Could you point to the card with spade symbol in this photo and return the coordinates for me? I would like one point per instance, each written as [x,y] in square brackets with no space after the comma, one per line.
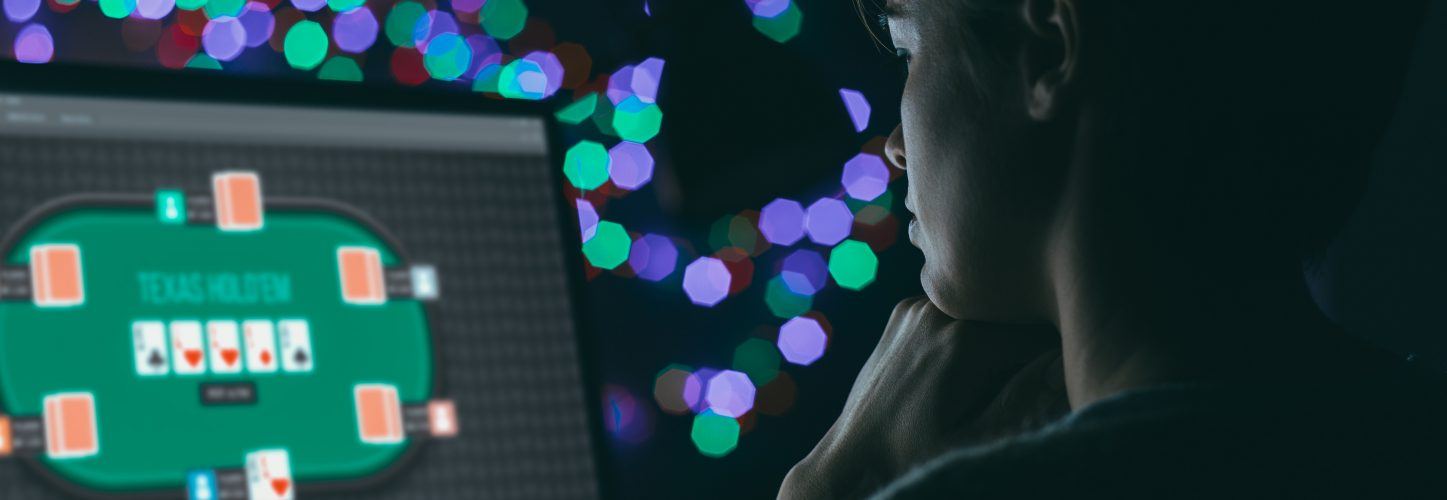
[188,354]
[296,345]
[224,341]
[149,341]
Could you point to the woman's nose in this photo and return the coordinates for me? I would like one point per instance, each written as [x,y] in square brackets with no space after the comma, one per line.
[894,147]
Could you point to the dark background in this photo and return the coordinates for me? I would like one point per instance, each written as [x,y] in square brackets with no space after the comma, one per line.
[748,119]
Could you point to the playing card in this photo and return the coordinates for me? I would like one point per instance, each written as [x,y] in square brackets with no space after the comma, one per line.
[148,338]
[55,274]
[379,413]
[260,345]
[70,426]
[268,475]
[362,276]
[225,346]
[296,345]
[238,201]
[188,353]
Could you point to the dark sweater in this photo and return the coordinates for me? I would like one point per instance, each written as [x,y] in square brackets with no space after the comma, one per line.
[1378,433]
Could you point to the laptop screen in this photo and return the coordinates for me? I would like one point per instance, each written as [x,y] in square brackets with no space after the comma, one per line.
[229,300]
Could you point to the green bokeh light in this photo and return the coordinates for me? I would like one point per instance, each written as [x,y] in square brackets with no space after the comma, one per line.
[586,165]
[305,45]
[783,302]
[345,5]
[504,19]
[715,435]
[401,23]
[759,359]
[203,61]
[190,4]
[224,8]
[448,55]
[783,27]
[637,121]
[609,246]
[117,9]
[579,110]
[853,265]
[340,69]
[487,78]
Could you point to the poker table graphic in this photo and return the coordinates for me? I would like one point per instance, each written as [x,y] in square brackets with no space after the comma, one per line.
[169,259]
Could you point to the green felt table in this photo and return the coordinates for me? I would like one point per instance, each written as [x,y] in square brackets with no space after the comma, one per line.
[152,430]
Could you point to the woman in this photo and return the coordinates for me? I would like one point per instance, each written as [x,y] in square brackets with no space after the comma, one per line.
[1115,200]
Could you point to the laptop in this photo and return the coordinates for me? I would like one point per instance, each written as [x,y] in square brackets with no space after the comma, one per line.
[229,287]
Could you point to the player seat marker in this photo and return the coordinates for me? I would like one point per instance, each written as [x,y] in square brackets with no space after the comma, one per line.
[238,200]
[362,275]
[55,273]
[70,427]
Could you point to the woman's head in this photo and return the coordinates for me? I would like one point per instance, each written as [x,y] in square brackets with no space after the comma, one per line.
[1226,134]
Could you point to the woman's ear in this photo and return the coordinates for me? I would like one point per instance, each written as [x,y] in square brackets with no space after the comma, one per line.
[1051,55]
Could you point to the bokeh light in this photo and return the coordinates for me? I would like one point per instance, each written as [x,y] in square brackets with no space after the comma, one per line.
[783,302]
[853,264]
[579,110]
[694,389]
[768,8]
[865,177]
[216,9]
[355,31]
[630,165]
[609,245]
[828,221]
[714,435]
[259,23]
[623,417]
[587,219]
[402,22]
[741,268]
[34,45]
[783,27]
[447,56]
[802,340]
[522,79]
[504,19]
[340,69]
[343,6]
[309,5]
[224,38]
[585,165]
[804,272]
[306,45]
[636,120]
[759,359]
[117,9]
[653,257]
[155,9]
[782,222]
[430,26]
[857,107]
[706,281]
[777,397]
[730,393]
[19,11]
[668,389]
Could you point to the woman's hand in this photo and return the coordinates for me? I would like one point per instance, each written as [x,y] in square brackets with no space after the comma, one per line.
[932,384]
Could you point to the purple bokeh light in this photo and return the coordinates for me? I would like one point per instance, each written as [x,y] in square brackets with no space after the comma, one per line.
[653,257]
[706,281]
[730,394]
[552,70]
[802,340]
[865,177]
[587,219]
[34,45]
[782,222]
[429,26]
[630,165]
[695,387]
[645,79]
[19,11]
[828,221]
[805,272]
[768,8]
[857,106]
[259,23]
[467,6]
[154,9]
[308,5]
[355,30]
[485,51]
[224,38]
[620,84]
